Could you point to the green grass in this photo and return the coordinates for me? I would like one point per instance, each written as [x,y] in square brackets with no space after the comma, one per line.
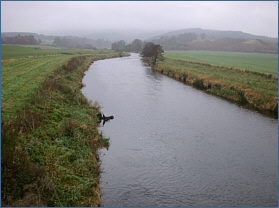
[15,51]
[263,63]
[21,77]
[49,135]
[258,90]
[43,47]
[27,51]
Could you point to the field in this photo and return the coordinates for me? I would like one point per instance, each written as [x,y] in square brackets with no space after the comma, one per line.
[263,63]
[14,51]
[29,51]
[23,69]
[49,135]
[21,77]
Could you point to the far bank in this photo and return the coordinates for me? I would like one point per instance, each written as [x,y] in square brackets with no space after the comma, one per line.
[251,89]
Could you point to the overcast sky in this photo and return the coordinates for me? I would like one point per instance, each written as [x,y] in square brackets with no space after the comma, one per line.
[46,17]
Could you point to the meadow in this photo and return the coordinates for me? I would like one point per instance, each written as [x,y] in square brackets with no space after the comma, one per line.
[21,77]
[23,69]
[49,134]
[29,51]
[15,51]
[263,63]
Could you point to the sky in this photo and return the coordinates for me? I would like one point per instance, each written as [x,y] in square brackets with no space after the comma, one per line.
[53,17]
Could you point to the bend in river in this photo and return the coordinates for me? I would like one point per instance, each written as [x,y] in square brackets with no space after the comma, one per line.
[173,145]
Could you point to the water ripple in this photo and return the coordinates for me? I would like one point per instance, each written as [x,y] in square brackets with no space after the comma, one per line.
[172,145]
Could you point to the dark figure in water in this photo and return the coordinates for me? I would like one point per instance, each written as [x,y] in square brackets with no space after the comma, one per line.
[104,118]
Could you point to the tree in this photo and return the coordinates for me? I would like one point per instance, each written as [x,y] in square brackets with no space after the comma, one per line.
[89,46]
[119,47]
[152,51]
[137,45]
[129,48]
[203,36]
[24,40]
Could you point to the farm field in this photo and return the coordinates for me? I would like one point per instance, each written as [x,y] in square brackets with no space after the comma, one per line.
[17,51]
[263,63]
[43,47]
[21,77]
[49,135]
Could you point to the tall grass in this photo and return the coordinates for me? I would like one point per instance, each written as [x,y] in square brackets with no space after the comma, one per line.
[255,89]
[50,141]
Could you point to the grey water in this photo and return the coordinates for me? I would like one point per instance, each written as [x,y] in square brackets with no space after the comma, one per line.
[174,146]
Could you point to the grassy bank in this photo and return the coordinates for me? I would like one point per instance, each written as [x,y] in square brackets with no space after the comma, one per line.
[49,135]
[256,90]
[262,63]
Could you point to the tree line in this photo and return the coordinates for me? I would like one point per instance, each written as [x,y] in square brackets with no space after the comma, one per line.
[73,42]
[120,46]
[23,40]
[148,50]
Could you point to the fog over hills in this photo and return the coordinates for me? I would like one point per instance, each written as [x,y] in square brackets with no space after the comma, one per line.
[126,35]
[185,39]
[110,35]
[130,35]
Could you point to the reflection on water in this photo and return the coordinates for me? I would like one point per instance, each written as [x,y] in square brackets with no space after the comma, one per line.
[172,145]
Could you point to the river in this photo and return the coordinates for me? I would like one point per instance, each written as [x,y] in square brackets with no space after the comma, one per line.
[175,146]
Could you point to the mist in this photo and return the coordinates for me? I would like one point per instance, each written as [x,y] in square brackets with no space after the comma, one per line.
[86,17]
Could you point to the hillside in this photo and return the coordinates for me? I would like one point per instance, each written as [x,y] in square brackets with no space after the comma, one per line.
[215,34]
[213,40]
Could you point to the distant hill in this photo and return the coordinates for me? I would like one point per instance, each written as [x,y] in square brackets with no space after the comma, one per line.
[127,35]
[216,34]
[186,39]
[215,40]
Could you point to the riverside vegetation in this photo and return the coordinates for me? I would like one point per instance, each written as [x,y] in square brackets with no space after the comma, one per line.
[254,88]
[49,135]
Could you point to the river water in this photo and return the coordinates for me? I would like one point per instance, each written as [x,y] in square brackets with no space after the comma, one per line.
[175,146]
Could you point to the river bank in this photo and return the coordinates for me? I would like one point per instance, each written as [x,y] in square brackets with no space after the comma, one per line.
[254,90]
[50,143]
